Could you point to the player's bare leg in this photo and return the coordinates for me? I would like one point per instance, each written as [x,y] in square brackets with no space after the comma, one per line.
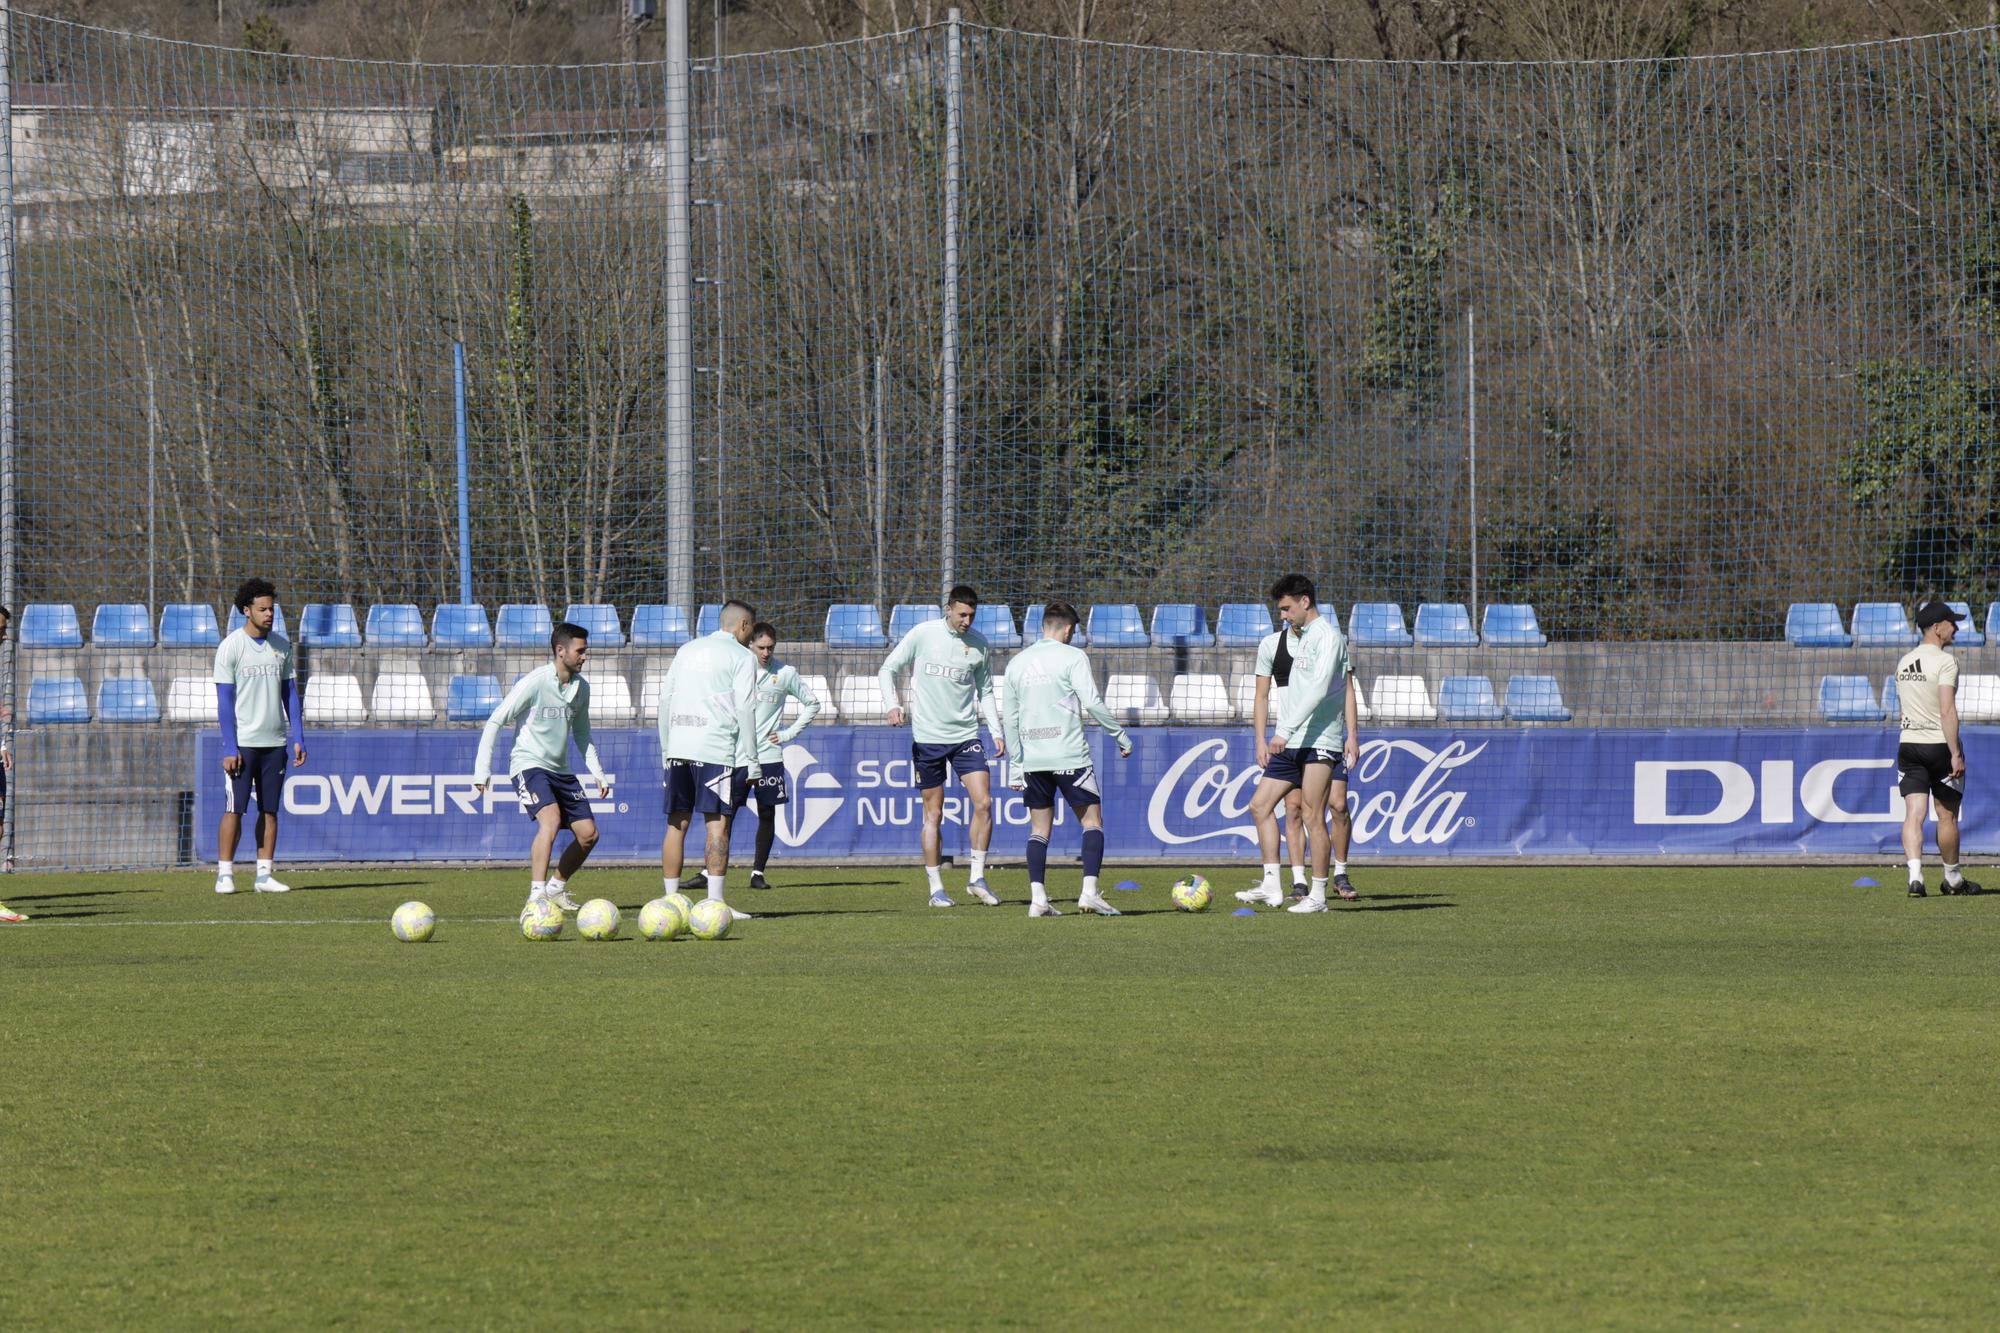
[979,790]
[1340,824]
[932,837]
[583,837]
[1947,836]
[1264,803]
[1296,841]
[548,823]
[715,859]
[1312,800]
[673,850]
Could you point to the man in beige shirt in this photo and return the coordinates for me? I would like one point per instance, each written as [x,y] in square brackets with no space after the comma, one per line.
[1930,762]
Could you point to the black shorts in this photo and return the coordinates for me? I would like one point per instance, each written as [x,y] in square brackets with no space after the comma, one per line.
[1077,785]
[965,757]
[537,787]
[706,789]
[1290,765]
[263,769]
[1924,769]
[768,792]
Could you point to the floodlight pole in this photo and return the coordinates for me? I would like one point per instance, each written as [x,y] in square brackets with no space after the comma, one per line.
[953,87]
[9,530]
[1472,452]
[679,303]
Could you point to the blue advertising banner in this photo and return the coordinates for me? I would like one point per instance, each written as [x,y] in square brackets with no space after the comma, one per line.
[386,795]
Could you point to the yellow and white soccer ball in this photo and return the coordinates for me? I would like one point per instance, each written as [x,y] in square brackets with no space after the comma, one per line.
[544,922]
[1192,894]
[598,919]
[710,919]
[664,918]
[682,901]
[413,923]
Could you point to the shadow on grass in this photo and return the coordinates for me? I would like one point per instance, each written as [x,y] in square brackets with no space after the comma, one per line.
[78,893]
[78,915]
[1366,906]
[362,884]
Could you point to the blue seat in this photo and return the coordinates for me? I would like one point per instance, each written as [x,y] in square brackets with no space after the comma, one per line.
[189,625]
[1242,624]
[127,699]
[1445,625]
[50,625]
[1993,621]
[1181,625]
[995,623]
[329,625]
[277,621]
[57,699]
[1815,625]
[395,625]
[1883,625]
[1892,702]
[1031,627]
[1468,699]
[657,626]
[1968,631]
[1116,625]
[600,620]
[1377,625]
[906,616]
[1511,625]
[708,620]
[1536,699]
[461,625]
[854,625]
[523,626]
[1848,699]
[121,625]
[472,698]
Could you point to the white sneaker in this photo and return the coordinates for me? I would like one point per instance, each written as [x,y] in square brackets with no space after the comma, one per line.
[977,888]
[938,899]
[1094,902]
[1308,905]
[1043,909]
[735,915]
[562,899]
[225,884]
[1260,894]
[269,884]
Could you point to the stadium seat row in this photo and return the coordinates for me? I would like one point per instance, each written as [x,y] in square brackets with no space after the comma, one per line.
[1852,699]
[1876,625]
[404,694]
[848,625]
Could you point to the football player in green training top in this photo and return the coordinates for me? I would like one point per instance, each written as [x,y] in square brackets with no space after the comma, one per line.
[777,682]
[708,741]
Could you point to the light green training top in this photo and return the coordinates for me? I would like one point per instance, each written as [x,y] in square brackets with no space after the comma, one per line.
[1049,689]
[773,688]
[1313,714]
[256,667]
[548,714]
[951,683]
[708,704]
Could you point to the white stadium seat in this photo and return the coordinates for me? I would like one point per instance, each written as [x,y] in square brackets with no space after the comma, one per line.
[1403,699]
[1135,698]
[859,699]
[332,698]
[1978,698]
[1200,698]
[610,698]
[820,691]
[191,699]
[402,693]
[649,688]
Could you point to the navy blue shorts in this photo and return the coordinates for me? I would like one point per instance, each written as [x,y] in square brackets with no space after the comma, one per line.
[706,789]
[1290,765]
[769,792]
[538,787]
[1077,785]
[264,769]
[963,756]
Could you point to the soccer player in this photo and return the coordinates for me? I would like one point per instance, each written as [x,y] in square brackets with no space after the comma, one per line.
[549,706]
[8,916]
[1049,689]
[1929,758]
[951,687]
[257,706]
[775,684]
[708,741]
[1311,748]
[1274,671]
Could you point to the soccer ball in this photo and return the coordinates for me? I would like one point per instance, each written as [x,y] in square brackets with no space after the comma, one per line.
[710,919]
[544,923]
[598,920]
[685,903]
[663,918]
[413,923]
[1191,894]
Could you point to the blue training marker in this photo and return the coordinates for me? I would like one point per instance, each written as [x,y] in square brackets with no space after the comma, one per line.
[1244,911]
[1866,883]
[1126,884]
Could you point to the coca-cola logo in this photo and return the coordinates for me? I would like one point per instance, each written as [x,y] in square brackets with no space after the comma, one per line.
[1201,789]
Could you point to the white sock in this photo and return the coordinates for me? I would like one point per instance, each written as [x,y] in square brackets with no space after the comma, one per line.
[537,889]
[555,885]
[1916,868]
[673,883]
[1090,886]
[937,878]
[1298,875]
[715,887]
[1339,868]
[1318,889]
[224,869]
[1951,875]
[263,868]
[1270,877]
[1038,894]
[979,865]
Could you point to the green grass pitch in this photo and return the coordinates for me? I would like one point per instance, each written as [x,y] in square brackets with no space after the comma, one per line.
[1487,1097]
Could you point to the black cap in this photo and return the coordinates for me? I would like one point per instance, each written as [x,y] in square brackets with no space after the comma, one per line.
[1936,613]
